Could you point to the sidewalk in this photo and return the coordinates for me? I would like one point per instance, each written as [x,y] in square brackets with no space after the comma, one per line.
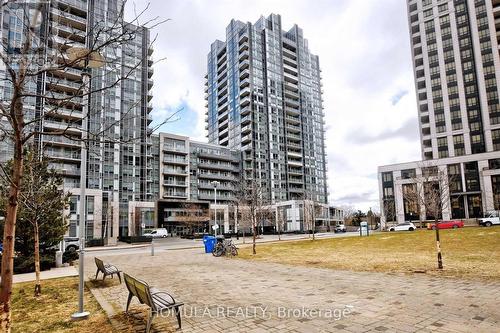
[44,275]
[120,246]
[184,244]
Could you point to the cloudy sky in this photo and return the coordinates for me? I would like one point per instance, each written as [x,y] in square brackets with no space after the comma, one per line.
[364,51]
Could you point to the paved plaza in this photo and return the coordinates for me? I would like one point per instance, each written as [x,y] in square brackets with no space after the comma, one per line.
[232,295]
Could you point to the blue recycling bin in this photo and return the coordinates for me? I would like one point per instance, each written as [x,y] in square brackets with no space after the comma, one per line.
[209,242]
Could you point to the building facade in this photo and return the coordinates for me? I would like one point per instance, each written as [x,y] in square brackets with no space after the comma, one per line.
[264,97]
[455,52]
[118,160]
[196,177]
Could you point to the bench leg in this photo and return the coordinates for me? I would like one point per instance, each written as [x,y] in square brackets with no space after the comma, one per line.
[96,273]
[178,314]
[150,319]
[119,277]
[103,276]
[129,299]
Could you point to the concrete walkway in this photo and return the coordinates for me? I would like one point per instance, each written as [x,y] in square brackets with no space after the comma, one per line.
[176,243]
[44,275]
[233,295]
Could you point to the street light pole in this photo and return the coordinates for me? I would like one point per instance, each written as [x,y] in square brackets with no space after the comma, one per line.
[215,183]
[87,60]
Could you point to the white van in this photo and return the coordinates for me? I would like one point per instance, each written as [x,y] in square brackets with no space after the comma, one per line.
[491,218]
[157,233]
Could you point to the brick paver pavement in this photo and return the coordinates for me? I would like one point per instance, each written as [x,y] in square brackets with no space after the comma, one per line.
[231,295]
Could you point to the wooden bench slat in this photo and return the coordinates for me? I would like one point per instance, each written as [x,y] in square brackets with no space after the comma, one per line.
[155,299]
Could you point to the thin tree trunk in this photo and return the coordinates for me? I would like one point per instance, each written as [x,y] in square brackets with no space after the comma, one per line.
[254,237]
[38,287]
[313,221]
[438,246]
[8,237]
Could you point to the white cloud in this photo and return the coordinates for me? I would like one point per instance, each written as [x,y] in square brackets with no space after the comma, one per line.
[365,59]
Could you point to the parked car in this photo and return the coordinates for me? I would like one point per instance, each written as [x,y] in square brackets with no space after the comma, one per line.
[340,228]
[492,218]
[71,243]
[406,226]
[446,225]
[157,233]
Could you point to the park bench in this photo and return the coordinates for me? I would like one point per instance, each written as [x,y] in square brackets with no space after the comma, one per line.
[106,269]
[156,300]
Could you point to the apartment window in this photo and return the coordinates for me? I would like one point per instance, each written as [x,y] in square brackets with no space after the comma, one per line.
[444,19]
[462,31]
[387,177]
[449,66]
[494,163]
[475,126]
[445,32]
[458,145]
[429,26]
[480,7]
[454,178]
[471,101]
[428,12]
[469,90]
[492,95]
[484,33]
[464,42]
[447,43]
[73,204]
[426,3]
[495,136]
[475,139]
[439,117]
[485,45]
[466,54]
[494,111]
[452,90]
[472,176]
[442,144]
[467,66]
[456,125]
[90,205]
[443,7]
[388,192]
[408,174]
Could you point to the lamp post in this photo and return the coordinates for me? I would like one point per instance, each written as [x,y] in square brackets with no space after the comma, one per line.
[87,60]
[215,183]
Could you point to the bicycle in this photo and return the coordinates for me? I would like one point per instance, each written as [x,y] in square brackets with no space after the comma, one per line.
[226,247]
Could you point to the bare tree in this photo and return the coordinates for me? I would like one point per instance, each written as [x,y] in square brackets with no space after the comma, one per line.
[193,216]
[253,197]
[349,212]
[310,212]
[280,220]
[42,55]
[431,191]
[389,210]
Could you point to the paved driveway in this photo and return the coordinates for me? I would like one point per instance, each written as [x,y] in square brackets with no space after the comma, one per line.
[231,295]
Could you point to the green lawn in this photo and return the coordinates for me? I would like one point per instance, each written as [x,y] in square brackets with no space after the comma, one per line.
[51,312]
[468,252]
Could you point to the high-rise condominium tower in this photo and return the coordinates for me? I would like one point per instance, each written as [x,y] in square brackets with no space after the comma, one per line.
[455,51]
[457,75]
[119,162]
[264,96]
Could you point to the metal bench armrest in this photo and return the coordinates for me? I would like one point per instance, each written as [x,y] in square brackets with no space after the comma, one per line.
[164,293]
